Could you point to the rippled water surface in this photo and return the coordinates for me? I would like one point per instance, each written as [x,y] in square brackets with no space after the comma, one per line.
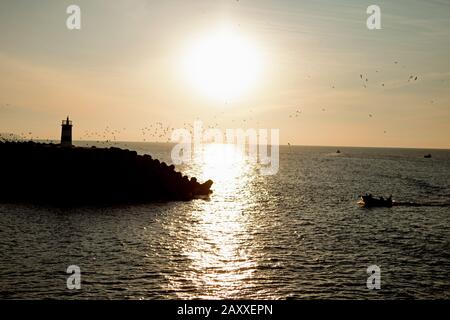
[298,234]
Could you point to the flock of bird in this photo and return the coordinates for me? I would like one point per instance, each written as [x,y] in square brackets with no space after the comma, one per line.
[160,132]
[364,78]
[5,137]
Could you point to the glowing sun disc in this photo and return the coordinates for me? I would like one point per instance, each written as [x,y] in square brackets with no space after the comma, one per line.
[222,65]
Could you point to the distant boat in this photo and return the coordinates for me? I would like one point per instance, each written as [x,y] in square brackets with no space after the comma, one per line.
[338,151]
[427,156]
[368,201]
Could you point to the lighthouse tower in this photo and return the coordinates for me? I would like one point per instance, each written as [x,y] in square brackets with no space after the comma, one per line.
[66,133]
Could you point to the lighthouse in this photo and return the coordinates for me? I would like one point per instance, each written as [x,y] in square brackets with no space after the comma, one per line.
[66,133]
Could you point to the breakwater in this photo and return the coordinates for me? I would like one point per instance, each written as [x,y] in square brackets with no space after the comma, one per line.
[51,174]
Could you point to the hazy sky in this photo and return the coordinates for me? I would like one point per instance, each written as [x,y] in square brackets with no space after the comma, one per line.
[123,69]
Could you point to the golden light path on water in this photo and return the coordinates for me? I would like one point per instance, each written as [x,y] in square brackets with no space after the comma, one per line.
[218,244]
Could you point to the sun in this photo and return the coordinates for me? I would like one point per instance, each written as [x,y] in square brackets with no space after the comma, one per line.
[222,65]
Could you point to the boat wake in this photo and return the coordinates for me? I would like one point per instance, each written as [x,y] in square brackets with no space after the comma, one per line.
[420,204]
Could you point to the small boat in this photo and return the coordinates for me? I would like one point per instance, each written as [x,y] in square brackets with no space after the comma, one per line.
[427,156]
[338,151]
[369,201]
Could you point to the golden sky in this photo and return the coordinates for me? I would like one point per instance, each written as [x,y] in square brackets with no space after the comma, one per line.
[299,66]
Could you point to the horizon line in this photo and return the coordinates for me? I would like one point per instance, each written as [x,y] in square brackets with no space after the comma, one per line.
[284,145]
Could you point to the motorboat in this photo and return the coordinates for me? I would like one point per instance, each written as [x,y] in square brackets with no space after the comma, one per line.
[369,201]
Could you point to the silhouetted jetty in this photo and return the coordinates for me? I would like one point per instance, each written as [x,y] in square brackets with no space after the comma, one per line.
[57,174]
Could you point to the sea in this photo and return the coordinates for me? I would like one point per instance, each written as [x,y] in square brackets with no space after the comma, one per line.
[296,234]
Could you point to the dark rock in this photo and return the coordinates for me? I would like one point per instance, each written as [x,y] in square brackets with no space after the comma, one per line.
[50,174]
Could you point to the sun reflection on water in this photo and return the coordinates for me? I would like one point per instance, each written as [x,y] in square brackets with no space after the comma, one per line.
[219,243]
